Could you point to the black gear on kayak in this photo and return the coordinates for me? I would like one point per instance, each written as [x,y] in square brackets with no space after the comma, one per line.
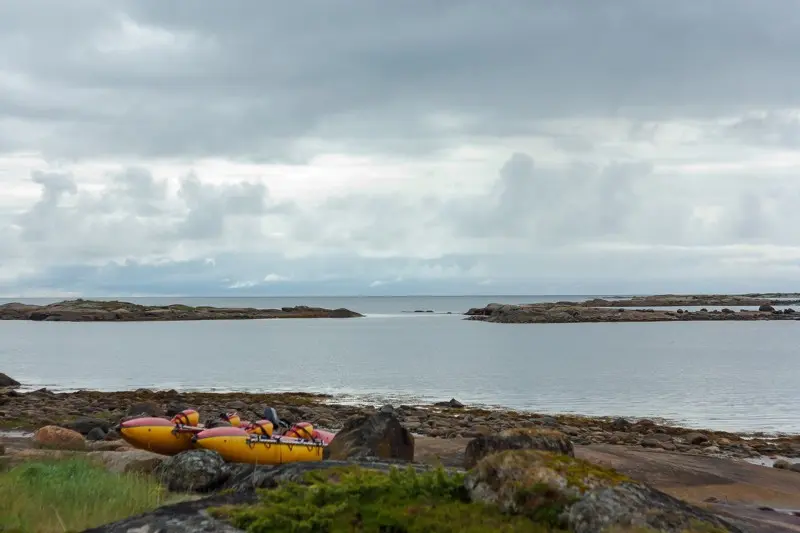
[272,415]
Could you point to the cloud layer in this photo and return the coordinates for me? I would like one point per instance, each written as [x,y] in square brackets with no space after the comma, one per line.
[153,148]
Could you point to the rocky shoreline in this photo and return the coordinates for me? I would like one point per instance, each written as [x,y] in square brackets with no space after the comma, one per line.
[602,310]
[118,311]
[486,446]
[97,412]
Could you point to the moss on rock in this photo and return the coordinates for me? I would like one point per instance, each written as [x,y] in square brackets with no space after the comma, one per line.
[525,438]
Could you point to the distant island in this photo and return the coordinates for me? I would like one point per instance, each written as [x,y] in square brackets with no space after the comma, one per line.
[619,310]
[118,311]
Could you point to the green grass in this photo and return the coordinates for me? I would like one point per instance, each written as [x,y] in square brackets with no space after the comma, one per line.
[72,495]
[358,500]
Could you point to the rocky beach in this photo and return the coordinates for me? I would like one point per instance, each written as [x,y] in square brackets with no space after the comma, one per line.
[678,461]
[117,311]
[640,309]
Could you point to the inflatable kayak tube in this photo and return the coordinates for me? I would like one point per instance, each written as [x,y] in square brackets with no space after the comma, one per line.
[158,435]
[236,445]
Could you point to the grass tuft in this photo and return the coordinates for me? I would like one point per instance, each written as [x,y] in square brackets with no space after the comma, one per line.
[72,495]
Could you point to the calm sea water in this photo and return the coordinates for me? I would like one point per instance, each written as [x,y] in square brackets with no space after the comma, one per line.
[737,376]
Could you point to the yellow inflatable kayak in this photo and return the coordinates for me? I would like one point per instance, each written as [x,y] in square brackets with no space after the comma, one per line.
[242,442]
[237,445]
[159,435]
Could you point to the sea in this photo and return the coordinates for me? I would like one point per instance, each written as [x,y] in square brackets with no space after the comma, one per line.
[734,376]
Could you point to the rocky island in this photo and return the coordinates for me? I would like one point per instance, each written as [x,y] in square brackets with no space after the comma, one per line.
[118,311]
[638,309]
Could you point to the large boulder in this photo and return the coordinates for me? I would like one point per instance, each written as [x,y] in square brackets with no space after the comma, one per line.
[193,471]
[372,436]
[535,483]
[132,461]
[85,425]
[632,506]
[517,439]
[58,438]
[6,381]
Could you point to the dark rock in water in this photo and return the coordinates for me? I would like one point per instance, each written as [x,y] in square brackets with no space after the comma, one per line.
[517,439]
[185,517]
[145,409]
[95,434]
[6,381]
[766,308]
[387,409]
[85,425]
[372,436]
[635,505]
[452,404]
[620,424]
[194,471]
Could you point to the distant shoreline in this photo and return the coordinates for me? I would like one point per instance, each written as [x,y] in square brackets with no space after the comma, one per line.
[642,309]
[120,311]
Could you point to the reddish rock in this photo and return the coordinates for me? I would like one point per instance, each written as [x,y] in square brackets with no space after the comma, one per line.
[58,438]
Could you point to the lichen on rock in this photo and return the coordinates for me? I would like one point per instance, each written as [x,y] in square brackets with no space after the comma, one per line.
[535,483]
[639,507]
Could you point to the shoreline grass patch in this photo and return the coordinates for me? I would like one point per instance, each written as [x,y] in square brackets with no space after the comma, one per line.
[72,495]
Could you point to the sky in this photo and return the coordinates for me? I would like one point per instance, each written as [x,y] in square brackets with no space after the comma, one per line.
[372,148]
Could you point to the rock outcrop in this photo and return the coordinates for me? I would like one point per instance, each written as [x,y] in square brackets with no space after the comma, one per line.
[518,439]
[7,382]
[538,484]
[379,436]
[194,471]
[184,517]
[632,505]
[572,494]
[117,311]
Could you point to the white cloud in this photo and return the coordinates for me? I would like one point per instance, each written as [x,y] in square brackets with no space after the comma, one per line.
[143,150]
[274,278]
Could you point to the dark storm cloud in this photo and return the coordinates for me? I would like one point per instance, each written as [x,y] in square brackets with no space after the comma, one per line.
[148,78]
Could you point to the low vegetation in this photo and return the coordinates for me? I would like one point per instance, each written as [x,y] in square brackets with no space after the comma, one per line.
[352,499]
[72,495]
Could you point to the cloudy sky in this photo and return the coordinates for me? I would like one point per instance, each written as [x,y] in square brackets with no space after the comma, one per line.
[355,147]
